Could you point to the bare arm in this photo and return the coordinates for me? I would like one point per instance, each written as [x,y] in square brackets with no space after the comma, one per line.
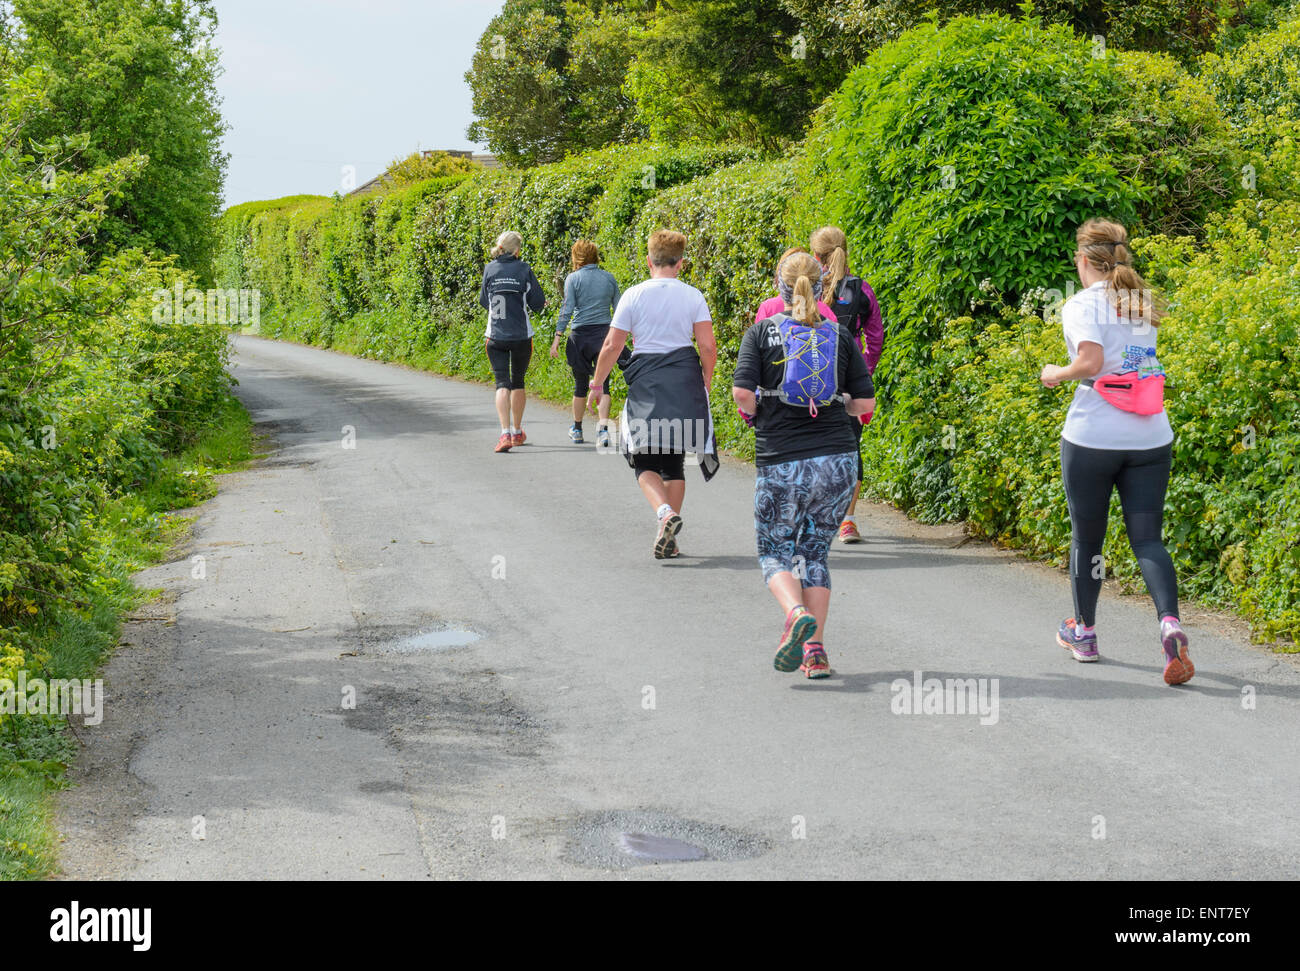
[1087,364]
[745,400]
[708,346]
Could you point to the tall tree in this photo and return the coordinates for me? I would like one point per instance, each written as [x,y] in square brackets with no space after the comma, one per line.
[735,68]
[547,78]
[137,77]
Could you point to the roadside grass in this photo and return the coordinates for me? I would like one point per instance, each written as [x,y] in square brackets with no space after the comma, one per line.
[76,638]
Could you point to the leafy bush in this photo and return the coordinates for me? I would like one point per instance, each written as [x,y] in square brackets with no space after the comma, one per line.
[418,167]
[1258,85]
[95,386]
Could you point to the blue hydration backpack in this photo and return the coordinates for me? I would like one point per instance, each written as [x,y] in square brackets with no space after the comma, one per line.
[812,354]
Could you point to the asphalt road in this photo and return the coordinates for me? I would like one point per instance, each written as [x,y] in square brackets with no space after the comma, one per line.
[613,709]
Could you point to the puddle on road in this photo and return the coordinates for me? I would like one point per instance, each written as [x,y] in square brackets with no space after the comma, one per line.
[620,839]
[659,849]
[443,639]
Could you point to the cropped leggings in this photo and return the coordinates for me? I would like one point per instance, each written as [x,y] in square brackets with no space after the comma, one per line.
[509,361]
[797,509]
[1141,476]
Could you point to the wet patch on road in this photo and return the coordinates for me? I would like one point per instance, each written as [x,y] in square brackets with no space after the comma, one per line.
[463,722]
[432,638]
[445,639]
[621,839]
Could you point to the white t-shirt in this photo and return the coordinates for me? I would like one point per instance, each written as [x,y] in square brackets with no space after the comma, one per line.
[1126,345]
[661,315]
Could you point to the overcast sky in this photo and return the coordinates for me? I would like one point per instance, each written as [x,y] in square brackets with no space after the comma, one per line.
[311,86]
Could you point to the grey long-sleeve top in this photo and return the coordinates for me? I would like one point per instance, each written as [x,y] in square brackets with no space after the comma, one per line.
[590,296]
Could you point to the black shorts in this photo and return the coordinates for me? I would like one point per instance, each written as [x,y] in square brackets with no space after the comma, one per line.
[670,465]
[509,360]
[581,352]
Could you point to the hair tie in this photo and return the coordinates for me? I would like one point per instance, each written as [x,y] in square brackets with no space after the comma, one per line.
[787,291]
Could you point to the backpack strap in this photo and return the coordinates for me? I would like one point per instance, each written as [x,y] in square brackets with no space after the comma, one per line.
[775,320]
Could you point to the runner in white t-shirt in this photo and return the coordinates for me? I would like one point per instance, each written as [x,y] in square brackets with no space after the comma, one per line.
[1110,329]
[661,315]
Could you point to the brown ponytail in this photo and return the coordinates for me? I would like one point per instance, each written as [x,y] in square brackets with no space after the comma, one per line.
[831,248]
[1105,244]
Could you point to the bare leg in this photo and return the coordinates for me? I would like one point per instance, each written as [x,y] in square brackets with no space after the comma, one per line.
[817,600]
[503,408]
[787,590]
[853,504]
[654,489]
[676,493]
[579,406]
[518,398]
[603,409]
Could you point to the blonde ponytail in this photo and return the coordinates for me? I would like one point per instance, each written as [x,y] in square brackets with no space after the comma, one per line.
[830,246]
[797,275]
[1105,244]
[805,304]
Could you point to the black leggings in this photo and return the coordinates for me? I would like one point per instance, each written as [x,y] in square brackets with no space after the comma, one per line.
[509,360]
[1142,476]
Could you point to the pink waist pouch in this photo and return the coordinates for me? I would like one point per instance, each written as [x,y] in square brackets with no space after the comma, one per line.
[1131,392]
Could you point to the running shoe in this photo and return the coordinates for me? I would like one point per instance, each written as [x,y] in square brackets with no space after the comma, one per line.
[815,662]
[575,435]
[1178,666]
[799,626]
[849,532]
[504,442]
[672,552]
[518,439]
[666,538]
[1083,648]
[602,437]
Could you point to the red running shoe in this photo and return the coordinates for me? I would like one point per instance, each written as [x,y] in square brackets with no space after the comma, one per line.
[504,443]
[518,439]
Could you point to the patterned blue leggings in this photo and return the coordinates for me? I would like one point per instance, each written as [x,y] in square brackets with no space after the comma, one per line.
[797,510]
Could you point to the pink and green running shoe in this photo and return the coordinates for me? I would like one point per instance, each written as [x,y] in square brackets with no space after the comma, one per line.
[799,626]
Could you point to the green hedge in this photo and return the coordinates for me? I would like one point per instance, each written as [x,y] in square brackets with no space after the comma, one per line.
[396,276]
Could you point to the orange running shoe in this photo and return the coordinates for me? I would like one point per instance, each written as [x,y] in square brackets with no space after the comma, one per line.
[849,533]
[518,439]
[504,443]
